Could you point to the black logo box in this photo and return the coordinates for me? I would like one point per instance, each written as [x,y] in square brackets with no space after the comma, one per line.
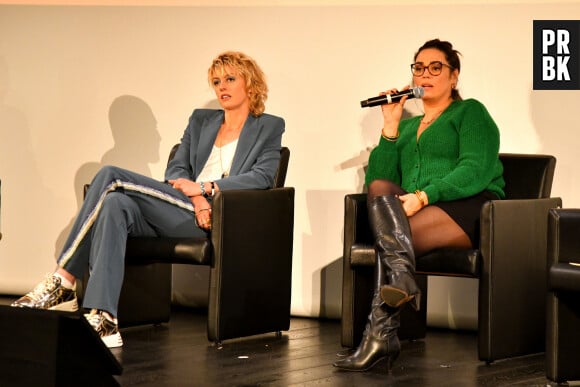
[572,63]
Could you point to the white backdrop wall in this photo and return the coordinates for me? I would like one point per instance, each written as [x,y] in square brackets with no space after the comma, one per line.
[83,86]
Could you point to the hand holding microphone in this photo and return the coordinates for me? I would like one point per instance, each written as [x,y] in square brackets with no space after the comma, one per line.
[415,92]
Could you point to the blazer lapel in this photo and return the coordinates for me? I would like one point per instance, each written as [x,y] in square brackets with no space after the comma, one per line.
[207,140]
[246,141]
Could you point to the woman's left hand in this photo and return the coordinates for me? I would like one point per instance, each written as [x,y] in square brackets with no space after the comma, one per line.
[202,210]
[411,204]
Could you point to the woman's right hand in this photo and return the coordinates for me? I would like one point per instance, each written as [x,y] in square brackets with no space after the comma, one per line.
[392,113]
[188,187]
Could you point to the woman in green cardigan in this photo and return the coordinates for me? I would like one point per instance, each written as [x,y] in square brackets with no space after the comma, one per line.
[428,177]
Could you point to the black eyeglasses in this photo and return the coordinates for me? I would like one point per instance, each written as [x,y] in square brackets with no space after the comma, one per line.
[434,68]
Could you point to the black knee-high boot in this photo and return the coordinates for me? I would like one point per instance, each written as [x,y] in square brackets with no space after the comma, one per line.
[392,234]
[380,340]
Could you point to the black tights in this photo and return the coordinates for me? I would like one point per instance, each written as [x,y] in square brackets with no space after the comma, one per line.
[431,227]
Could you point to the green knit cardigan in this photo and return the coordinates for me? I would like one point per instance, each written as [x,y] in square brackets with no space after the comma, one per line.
[455,157]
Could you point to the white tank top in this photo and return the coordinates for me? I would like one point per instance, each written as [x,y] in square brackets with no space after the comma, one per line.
[219,163]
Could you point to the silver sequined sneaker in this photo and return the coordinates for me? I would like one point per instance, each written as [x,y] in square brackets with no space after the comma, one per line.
[106,327]
[51,295]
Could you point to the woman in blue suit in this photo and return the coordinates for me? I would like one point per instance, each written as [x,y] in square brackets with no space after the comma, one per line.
[236,147]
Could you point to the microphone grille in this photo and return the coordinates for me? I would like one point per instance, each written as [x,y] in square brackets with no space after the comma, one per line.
[418,92]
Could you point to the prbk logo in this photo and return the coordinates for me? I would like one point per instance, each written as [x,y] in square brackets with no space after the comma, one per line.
[556,54]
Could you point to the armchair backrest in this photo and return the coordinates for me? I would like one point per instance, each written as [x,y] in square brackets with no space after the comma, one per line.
[527,176]
[172,153]
[280,177]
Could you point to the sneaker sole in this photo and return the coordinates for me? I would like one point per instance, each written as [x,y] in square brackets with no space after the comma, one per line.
[69,306]
[113,341]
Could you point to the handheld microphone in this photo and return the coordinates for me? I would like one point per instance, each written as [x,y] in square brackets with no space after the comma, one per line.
[415,92]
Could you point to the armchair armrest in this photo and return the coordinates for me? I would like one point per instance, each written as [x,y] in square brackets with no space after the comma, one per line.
[356,289]
[564,249]
[356,222]
[513,276]
[252,237]
[358,247]
[564,237]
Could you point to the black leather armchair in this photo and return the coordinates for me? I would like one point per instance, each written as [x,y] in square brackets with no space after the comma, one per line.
[510,265]
[563,304]
[250,259]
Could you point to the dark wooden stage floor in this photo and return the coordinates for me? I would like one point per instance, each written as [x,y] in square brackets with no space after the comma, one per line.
[178,354]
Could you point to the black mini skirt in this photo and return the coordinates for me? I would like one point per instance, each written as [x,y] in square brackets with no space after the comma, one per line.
[467,212]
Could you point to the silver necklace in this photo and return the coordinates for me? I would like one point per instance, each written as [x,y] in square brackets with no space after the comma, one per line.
[225,173]
[427,122]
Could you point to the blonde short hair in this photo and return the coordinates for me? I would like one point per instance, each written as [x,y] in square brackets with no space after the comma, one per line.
[253,75]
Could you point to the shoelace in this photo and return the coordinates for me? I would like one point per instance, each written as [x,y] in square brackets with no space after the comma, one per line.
[49,284]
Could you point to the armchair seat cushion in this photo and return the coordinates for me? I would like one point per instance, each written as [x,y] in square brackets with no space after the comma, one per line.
[192,251]
[564,277]
[450,262]
[447,262]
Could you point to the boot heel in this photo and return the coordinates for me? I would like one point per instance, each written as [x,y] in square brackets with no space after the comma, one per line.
[396,298]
